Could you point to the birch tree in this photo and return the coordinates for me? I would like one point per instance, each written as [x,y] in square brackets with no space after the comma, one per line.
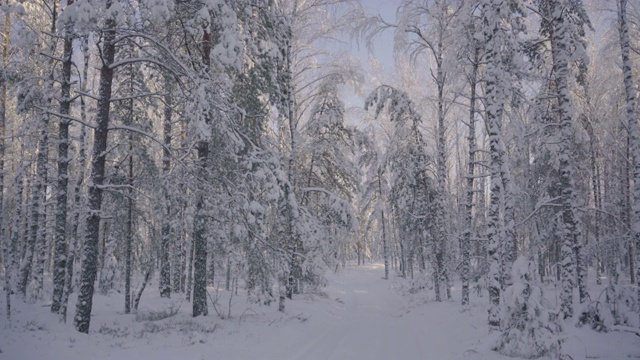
[498,34]
[563,22]
[60,256]
[82,318]
[634,134]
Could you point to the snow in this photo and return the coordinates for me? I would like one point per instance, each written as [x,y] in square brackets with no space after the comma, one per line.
[357,316]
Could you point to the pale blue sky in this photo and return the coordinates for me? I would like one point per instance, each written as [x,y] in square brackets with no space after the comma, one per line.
[382,50]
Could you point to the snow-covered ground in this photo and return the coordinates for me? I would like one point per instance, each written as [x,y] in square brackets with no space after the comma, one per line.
[359,316]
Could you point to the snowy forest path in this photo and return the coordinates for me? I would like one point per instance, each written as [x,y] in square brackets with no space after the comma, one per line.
[365,322]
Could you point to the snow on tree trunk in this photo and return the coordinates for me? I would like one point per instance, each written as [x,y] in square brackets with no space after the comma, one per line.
[441,241]
[165,267]
[292,241]
[77,201]
[634,134]
[60,240]
[128,247]
[37,213]
[595,190]
[200,226]
[385,246]
[82,318]
[499,52]
[471,139]
[9,254]
[509,242]
[493,221]
[493,123]
[561,51]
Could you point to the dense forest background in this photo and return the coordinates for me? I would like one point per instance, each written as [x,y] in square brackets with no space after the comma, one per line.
[208,142]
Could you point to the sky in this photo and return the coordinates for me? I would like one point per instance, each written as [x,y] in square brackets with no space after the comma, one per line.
[381,52]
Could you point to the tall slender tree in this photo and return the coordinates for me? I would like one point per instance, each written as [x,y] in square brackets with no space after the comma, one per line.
[60,242]
[82,318]
[634,133]
[563,22]
[500,50]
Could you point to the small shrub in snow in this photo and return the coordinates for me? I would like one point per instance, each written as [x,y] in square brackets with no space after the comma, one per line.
[597,315]
[530,330]
[623,304]
[616,305]
[115,331]
[34,326]
[190,326]
[158,315]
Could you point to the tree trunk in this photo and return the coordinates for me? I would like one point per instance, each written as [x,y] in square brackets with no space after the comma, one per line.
[200,231]
[568,226]
[165,265]
[200,243]
[471,139]
[37,197]
[60,259]
[189,271]
[82,317]
[9,254]
[632,119]
[385,243]
[441,241]
[77,202]
[496,94]
[128,257]
[509,242]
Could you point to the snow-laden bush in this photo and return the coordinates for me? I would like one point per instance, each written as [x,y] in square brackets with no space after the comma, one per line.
[597,315]
[530,330]
[616,305]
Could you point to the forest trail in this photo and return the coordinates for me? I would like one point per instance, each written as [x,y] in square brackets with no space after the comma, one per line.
[367,322]
[368,319]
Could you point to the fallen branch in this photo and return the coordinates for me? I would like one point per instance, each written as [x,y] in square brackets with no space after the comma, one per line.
[244,312]
[628,329]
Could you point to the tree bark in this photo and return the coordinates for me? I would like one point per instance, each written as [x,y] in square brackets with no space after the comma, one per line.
[200,231]
[60,259]
[4,240]
[471,139]
[569,231]
[82,317]
[128,257]
[165,265]
[77,201]
[632,118]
